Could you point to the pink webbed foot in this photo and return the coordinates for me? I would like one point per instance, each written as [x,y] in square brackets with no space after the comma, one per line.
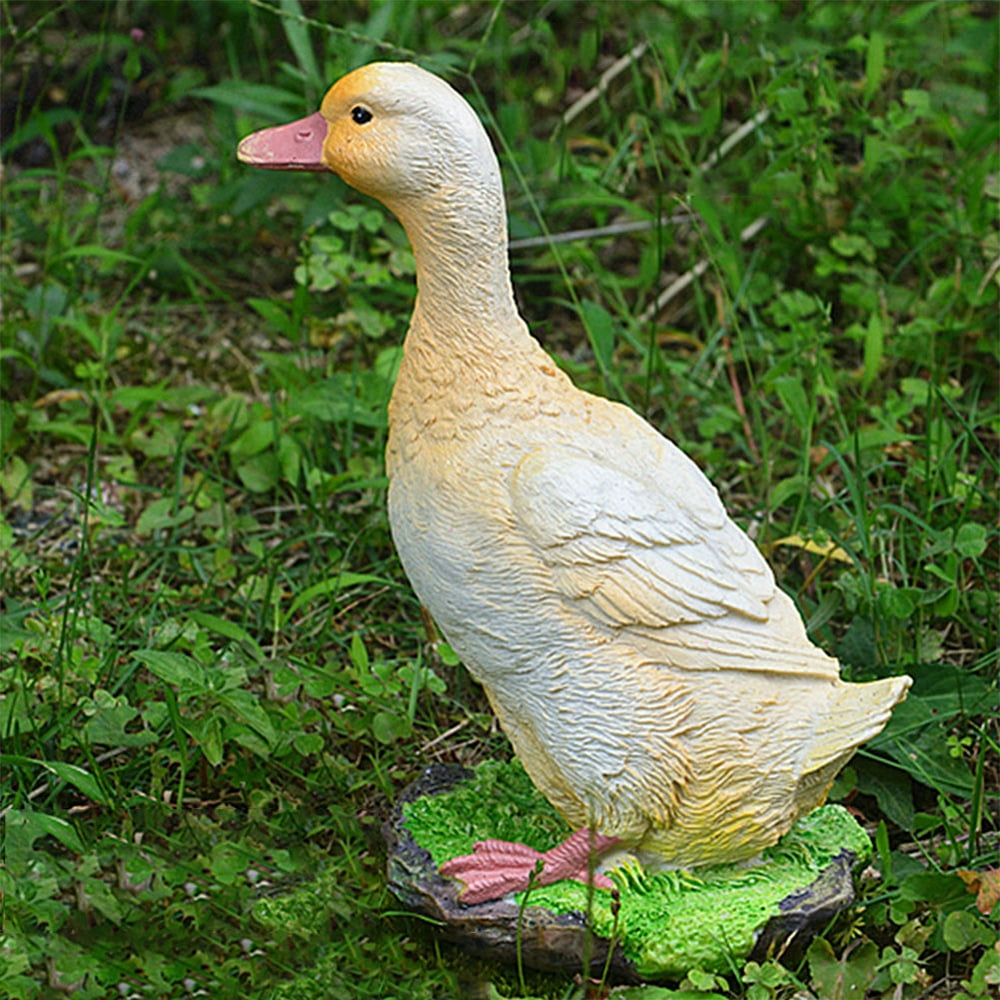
[497,867]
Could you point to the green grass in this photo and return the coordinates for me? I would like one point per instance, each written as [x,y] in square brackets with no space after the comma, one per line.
[214,676]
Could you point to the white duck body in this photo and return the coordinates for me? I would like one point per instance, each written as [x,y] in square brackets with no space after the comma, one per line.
[655,683]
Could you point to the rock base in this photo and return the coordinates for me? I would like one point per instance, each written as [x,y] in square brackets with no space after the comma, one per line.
[669,922]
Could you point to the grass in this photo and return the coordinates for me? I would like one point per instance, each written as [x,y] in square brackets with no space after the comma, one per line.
[214,676]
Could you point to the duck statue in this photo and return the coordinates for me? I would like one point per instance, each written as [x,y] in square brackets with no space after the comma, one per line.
[656,684]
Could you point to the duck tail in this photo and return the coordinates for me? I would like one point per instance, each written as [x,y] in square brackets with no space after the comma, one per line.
[853,715]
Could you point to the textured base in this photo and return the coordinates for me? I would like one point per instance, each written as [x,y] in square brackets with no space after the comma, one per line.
[669,921]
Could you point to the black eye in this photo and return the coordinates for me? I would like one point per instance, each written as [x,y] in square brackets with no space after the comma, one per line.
[361,116]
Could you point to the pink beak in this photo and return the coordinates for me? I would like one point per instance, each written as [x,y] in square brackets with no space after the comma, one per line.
[295,146]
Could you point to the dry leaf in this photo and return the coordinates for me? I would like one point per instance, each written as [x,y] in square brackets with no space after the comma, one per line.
[986,886]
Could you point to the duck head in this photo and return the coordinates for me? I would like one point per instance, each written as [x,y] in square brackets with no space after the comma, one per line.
[390,130]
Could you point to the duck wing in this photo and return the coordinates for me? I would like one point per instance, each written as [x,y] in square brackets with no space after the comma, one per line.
[657,562]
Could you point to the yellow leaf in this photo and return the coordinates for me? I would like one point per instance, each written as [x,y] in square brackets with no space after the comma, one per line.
[826,549]
[59,396]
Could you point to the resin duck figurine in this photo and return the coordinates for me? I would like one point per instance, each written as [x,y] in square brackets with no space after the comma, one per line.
[657,685]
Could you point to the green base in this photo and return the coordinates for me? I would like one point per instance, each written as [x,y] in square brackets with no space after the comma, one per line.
[670,921]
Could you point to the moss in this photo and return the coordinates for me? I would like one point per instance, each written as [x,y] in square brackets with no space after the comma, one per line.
[307,910]
[669,921]
[498,801]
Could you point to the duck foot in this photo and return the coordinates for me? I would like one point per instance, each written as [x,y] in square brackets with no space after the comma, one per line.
[497,867]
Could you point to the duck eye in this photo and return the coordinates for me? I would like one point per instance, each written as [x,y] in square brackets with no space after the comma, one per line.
[360,115]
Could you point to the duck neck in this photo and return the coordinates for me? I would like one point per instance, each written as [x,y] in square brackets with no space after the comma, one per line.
[464,292]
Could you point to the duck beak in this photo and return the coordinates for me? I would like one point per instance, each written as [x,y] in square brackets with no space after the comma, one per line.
[295,146]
